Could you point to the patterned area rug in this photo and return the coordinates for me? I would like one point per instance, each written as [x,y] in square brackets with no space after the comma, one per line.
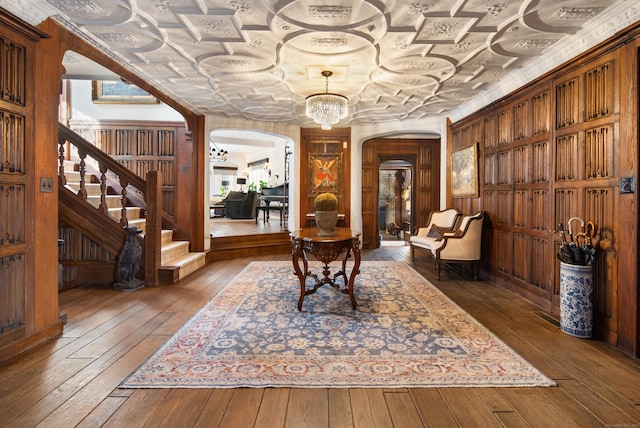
[404,333]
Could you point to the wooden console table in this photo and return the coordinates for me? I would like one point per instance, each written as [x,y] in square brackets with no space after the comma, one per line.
[326,249]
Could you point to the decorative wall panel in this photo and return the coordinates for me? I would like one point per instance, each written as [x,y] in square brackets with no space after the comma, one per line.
[522,253]
[540,210]
[504,167]
[12,220]
[540,113]
[11,142]
[598,92]
[13,186]
[567,158]
[490,133]
[505,207]
[12,78]
[521,121]
[540,261]
[599,152]
[12,292]
[521,165]
[504,259]
[566,205]
[504,127]
[541,162]
[567,103]
[490,169]
[521,208]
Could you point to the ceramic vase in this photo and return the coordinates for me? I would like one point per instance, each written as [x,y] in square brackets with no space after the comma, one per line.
[576,300]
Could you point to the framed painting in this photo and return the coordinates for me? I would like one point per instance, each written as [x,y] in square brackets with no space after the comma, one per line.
[464,172]
[324,173]
[119,92]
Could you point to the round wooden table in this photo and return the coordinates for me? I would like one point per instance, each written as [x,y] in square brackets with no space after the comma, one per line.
[343,243]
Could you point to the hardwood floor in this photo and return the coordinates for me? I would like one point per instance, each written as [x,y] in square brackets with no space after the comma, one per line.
[73,380]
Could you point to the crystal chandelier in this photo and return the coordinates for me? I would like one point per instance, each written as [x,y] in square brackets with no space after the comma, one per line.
[216,154]
[326,109]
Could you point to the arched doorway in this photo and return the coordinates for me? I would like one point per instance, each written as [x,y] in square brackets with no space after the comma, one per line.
[424,156]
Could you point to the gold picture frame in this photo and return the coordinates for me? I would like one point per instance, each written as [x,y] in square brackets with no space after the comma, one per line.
[324,173]
[464,172]
[119,92]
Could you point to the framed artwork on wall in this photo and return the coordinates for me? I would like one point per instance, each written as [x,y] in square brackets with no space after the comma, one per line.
[119,92]
[324,173]
[464,172]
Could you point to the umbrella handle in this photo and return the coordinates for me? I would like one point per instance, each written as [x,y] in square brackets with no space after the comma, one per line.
[569,224]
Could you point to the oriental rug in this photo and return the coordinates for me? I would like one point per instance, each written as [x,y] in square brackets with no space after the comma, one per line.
[404,333]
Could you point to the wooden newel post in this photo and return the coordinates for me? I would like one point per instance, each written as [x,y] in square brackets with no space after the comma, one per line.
[153,236]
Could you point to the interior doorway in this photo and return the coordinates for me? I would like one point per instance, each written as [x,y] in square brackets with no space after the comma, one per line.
[395,179]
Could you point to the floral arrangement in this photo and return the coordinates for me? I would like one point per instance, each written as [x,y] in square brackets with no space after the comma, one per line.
[325,202]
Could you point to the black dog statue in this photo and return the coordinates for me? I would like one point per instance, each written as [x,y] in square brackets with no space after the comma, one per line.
[129,262]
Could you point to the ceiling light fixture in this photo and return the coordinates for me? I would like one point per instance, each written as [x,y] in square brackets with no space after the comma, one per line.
[326,109]
[215,153]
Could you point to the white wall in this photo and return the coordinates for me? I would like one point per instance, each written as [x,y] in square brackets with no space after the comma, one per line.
[83,108]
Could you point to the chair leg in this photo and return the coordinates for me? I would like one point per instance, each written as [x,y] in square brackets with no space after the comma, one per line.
[412,249]
[438,269]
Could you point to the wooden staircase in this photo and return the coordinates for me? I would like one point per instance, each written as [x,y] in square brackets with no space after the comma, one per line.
[176,260]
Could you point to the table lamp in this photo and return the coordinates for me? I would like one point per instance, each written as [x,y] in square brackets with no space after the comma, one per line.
[241,182]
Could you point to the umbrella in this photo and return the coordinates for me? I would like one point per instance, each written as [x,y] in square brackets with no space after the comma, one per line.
[579,250]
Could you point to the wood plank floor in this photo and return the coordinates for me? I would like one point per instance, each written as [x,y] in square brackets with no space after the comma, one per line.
[73,380]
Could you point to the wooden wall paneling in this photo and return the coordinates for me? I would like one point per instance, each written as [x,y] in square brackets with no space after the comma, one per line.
[571,168]
[505,127]
[521,168]
[599,149]
[540,113]
[600,207]
[598,92]
[567,103]
[541,219]
[28,245]
[522,256]
[522,204]
[541,265]
[628,76]
[504,252]
[566,164]
[521,121]
[369,193]
[490,139]
[541,162]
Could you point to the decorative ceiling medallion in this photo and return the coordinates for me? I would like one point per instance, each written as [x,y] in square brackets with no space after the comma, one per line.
[494,9]
[576,13]
[79,6]
[330,11]
[534,44]
[162,6]
[119,38]
[420,8]
[329,42]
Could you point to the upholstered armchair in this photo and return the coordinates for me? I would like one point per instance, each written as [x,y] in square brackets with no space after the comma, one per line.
[430,236]
[463,245]
[241,205]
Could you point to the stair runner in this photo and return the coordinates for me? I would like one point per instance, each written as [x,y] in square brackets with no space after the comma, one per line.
[174,254]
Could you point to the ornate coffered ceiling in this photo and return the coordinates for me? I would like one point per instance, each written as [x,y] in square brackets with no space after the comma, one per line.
[393,59]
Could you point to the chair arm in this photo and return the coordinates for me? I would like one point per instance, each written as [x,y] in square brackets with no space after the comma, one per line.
[458,248]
